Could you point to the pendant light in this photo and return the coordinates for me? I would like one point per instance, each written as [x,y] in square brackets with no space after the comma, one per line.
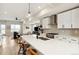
[29,11]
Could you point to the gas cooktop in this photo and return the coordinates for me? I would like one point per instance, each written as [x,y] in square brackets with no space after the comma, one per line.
[43,38]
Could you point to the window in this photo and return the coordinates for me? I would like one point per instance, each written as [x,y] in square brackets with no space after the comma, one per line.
[15,28]
[2,29]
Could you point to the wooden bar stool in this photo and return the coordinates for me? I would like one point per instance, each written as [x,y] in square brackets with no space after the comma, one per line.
[32,51]
[23,48]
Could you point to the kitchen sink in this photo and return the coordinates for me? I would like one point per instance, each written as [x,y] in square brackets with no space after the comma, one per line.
[51,35]
[43,38]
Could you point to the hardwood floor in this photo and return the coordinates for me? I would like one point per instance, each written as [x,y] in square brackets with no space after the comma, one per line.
[9,46]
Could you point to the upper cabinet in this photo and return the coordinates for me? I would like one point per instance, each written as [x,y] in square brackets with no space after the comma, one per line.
[64,20]
[68,19]
[75,18]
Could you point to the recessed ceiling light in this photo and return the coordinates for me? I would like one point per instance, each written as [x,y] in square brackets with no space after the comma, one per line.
[24,22]
[29,15]
[5,12]
[39,7]
[30,19]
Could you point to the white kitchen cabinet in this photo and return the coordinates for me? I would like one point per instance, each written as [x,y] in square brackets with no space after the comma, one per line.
[75,18]
[60,20]
[69,19]
[64,20]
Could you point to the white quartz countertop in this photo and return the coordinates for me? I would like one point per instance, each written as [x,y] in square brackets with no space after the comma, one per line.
[52,46]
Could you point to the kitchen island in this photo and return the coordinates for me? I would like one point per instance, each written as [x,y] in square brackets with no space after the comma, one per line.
[52,46]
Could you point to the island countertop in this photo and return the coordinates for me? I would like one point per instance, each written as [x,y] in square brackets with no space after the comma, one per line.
[52,46]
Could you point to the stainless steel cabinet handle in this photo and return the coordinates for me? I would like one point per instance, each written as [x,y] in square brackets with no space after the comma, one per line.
[62,26]
[71,25]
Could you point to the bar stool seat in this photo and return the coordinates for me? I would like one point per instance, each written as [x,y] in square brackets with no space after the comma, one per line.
[32,51]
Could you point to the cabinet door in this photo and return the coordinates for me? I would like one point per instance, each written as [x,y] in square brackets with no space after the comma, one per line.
[68,19]
[75,18]
[65,20]
[60,20]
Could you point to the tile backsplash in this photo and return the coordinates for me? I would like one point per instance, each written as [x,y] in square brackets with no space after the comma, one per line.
[53,29]
[70,32]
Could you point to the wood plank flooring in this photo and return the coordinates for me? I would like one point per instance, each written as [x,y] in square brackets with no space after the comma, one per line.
[9,46]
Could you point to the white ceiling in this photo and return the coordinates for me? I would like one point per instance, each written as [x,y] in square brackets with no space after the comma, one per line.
[57,8]
[20,10]
[12,10]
